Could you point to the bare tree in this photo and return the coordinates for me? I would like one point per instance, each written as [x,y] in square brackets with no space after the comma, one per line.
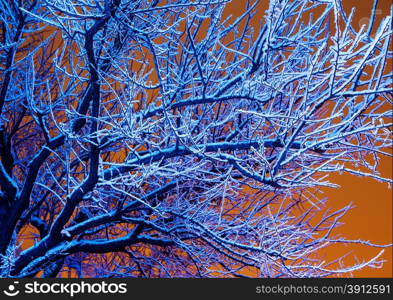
[161,138]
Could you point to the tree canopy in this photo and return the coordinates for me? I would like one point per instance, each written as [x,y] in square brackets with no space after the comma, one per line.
[167,139]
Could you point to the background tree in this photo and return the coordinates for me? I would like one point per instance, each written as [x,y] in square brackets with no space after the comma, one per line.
[159,138]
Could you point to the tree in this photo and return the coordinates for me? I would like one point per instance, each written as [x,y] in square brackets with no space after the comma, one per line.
[161,138]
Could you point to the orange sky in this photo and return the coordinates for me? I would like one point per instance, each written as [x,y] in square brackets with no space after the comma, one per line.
[371,219]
